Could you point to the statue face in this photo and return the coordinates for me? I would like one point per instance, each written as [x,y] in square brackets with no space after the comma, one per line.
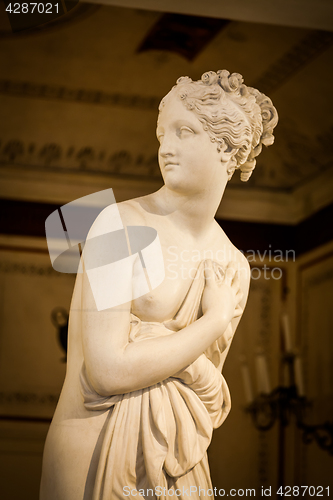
[189,161]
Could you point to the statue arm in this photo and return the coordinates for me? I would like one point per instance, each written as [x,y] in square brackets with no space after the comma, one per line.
[115,366]
[245,277]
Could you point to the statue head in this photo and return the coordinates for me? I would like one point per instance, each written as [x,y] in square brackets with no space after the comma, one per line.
[239,119]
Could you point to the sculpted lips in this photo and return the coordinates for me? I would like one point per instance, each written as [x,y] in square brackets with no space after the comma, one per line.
[169,164]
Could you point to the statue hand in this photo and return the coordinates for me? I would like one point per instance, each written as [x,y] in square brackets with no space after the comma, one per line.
[222,293]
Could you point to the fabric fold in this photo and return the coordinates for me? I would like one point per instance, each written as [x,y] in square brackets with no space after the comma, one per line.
[156,439]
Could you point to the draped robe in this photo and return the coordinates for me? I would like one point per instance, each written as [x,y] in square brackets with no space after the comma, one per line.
[156,439]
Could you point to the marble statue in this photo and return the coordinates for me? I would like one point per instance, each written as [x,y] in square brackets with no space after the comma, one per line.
[144,390]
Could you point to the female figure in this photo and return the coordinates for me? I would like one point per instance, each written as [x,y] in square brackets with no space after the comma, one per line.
[144,389]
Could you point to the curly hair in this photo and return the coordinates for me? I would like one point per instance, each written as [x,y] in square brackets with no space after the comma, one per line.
[238,118]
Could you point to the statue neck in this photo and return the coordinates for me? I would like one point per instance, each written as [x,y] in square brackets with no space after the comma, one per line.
[193,213]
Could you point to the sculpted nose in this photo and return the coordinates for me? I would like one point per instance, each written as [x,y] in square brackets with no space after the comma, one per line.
[167,147]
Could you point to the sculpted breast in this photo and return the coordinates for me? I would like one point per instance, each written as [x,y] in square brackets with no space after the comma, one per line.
[162,303]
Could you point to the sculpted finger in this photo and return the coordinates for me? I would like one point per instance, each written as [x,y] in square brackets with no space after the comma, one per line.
[239,296]
[209,272]
[229,273]
[219,274]
[236,282]
[238,312]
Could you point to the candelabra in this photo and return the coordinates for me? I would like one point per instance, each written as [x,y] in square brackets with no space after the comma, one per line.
[285,402]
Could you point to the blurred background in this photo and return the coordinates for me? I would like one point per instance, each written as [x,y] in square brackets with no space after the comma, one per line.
[79,98]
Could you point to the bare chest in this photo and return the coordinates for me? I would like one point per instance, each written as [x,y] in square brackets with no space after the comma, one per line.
[181,262]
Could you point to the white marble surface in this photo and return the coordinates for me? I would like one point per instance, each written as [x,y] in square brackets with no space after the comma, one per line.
[144,389]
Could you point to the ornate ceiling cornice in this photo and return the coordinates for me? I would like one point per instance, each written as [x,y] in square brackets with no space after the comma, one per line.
[307,49]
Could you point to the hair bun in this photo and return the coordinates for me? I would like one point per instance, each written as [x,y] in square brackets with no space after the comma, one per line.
[269,117]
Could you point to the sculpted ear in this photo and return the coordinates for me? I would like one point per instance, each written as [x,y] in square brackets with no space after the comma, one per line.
[228,157]
[226,151]
[231,167]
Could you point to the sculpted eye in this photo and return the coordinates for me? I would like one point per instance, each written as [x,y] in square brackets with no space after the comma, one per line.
[160,137]
[184,131]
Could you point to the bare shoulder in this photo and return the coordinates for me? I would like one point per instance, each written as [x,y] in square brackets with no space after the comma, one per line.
[244,273]
[243,267]
[130,213]
[234,255]
[244,270]
[114,217]
[241,260]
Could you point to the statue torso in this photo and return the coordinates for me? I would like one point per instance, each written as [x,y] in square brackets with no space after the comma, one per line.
[182,256]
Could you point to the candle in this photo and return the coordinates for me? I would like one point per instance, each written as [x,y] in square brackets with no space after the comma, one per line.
[286,332]
[299,376]
[246,380]
[262,374]
[285,375]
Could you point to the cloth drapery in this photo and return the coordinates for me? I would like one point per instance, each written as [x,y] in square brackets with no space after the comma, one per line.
[155,439]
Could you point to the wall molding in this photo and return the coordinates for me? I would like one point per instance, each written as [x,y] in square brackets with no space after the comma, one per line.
[82,96]
[241,203]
